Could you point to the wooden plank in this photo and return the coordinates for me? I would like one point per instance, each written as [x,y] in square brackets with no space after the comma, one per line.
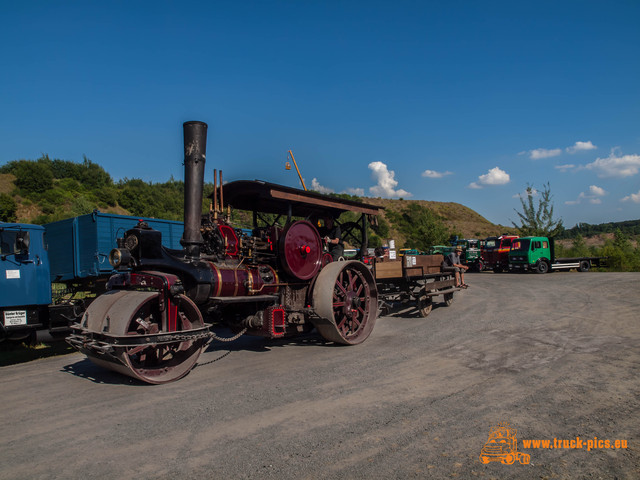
[392,269]
[416,265]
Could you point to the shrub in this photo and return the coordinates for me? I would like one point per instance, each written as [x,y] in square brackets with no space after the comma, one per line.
[8,208]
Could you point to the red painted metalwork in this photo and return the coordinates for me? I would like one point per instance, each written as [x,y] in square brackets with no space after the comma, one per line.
[274,325]
[230,240]
[300,250]
[242,280]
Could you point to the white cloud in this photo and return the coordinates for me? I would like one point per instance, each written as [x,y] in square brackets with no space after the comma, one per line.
[315,185]
[614,166]
[434,174]
[564,168]
[355,191]
[634,197]
[581,147]
[539,153]
[386,183]
[593,196]
[495,176]
[597,191]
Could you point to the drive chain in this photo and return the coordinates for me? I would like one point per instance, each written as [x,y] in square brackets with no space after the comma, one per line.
[229,339]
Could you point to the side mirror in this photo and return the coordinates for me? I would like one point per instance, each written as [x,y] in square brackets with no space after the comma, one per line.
[22,242]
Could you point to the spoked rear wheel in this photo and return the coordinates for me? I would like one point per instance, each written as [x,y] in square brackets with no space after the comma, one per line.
[346,298]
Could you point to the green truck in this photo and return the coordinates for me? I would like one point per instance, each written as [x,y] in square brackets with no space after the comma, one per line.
[471,255]
[537,254]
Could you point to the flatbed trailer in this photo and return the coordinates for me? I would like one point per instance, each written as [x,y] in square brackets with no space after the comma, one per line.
[417,279]
[582,264]
[537,254]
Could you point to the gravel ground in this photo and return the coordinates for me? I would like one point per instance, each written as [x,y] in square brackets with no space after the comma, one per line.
[556,356]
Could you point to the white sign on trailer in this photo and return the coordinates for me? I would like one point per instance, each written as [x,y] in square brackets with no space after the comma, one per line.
[15,317]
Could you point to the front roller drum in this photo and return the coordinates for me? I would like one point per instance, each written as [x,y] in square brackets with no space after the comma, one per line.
[122,331]
[345,298]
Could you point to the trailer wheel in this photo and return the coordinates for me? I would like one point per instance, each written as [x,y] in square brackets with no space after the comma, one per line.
[448,299]
[345,298]
[542,267]
[584,266]
[425,305]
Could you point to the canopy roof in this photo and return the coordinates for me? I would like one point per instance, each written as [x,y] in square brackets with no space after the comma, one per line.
[256,195]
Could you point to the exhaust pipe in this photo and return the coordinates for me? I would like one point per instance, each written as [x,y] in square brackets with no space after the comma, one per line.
[195,152]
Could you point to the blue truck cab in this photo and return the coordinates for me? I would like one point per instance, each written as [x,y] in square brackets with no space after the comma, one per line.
[25,288]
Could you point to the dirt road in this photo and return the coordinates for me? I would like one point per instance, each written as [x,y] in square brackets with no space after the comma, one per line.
[556,356]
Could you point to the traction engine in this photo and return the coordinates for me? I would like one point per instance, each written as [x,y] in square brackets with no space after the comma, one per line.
[158,313]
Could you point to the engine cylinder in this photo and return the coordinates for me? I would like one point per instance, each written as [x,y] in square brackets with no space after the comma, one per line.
[243,280]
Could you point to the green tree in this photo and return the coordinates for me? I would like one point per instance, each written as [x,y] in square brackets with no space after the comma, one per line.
[420,226]
[617,252]
[579,247]
[33,177]
[538,220]
[8,208]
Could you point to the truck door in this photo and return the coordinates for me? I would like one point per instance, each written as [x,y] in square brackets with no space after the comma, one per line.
[24,274]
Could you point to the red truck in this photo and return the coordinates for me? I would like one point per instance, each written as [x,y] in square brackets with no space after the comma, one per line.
[495,252]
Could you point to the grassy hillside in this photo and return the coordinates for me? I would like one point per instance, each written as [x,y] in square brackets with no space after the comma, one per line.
[459,219]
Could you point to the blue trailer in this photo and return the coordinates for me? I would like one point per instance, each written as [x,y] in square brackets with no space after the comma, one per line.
[73,252]
[79,247]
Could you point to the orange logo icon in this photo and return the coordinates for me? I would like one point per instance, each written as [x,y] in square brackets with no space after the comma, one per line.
[502,446]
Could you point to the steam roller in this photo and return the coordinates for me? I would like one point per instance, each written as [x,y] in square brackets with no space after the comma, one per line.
[275,280]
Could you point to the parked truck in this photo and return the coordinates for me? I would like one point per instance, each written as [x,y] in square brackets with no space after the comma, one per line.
[72,256]
[471,253]
[495,252]
[537,254]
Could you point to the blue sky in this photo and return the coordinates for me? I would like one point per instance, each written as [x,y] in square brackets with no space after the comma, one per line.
[436,100]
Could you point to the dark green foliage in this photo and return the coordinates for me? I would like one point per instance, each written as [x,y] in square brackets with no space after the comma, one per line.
[538,221]
[32,178]
[162,200]
[346,196]
[622,256]
[629,227]
[382,230]
[8,208]
[421,227]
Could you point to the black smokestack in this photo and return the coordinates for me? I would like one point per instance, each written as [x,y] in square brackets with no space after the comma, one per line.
[195,153]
